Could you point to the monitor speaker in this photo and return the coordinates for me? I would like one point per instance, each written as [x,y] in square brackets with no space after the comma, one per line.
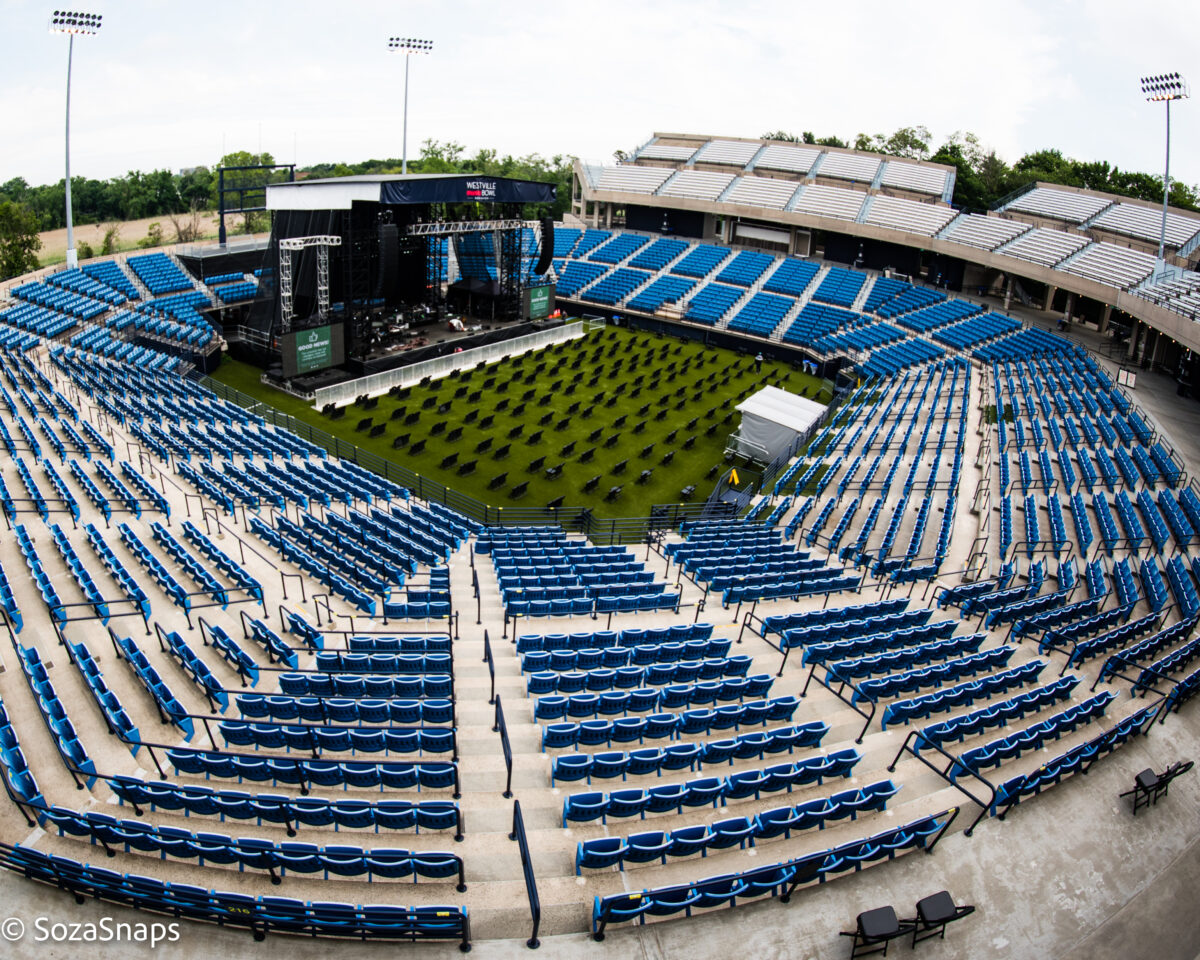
[547,255]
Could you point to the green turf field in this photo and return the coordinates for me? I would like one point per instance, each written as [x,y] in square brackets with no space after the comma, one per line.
[607,406]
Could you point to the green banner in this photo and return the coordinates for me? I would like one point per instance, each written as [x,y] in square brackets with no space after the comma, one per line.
[538,301]
[314,349]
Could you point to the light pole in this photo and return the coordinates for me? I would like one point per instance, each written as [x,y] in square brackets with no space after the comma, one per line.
[72,23]
[407,46]
[1165,87]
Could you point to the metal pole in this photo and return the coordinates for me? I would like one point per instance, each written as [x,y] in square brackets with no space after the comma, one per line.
[404,148]
[1162,237]
[72,259]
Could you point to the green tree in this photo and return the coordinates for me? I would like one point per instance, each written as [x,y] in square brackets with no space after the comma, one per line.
[112,235]
[153,237]
[782,135]
[19,241]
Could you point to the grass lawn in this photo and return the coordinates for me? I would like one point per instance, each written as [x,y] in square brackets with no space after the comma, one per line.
[606,406]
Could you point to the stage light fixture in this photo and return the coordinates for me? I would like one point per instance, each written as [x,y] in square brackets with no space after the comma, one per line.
[407,46]
[73,23]
[1165,87]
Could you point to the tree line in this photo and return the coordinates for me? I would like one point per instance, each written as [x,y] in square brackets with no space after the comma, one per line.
[26,210]
[983,179]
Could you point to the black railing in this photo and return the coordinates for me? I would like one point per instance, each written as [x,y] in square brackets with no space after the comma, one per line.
[502,728]
[985,805]
[535,904]
[487,658]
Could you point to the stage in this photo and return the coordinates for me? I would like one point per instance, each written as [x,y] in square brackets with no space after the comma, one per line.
[371,269]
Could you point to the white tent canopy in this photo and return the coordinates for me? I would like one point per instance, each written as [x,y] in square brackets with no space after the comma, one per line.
[772,421]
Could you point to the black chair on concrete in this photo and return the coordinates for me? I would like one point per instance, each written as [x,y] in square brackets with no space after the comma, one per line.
[933,913]
[875,929]
[1148,786]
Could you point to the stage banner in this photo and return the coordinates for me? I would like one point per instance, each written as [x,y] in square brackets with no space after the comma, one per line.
[440,189]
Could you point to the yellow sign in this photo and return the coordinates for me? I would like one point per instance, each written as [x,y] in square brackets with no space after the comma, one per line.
[733,477]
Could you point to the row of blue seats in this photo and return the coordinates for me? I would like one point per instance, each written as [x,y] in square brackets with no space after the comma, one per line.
[59,725]
[50,597]
[193,799]
[773,880]
[38,320]
[673,797]
[1075,760]
[407,645]
[603,639]
[159,273]
[859,669]
[16,771]
[615,656]
[164,697]
[378,687]
[110,274]
[920,678]
[196,668]
[260,914]
[60,300]
[339,661]
[106,699]
[779,623]
[322,740]
[1151,676]
[389,775]
[225,564]
[658,674]
[302,558]
[995,752]
[604,852]
[642,700]
[999,714]
[961,694]
[254,853]
[326,709]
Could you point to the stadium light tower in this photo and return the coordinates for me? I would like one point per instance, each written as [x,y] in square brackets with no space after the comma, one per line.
[73,23]
[1165,87]
[407,46]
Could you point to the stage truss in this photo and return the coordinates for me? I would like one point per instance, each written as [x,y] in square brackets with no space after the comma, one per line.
[322,242]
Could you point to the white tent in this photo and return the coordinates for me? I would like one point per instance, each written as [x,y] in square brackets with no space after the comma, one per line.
[772,421]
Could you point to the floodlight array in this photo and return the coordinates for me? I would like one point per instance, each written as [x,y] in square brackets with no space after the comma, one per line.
[75,21]
[409,45]
[1165,86]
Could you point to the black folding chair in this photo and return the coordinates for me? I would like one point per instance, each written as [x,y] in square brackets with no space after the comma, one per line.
[1148,786]
[933,913]
[875,929]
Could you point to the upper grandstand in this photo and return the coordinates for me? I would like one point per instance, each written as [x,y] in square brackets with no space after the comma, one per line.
[800,199]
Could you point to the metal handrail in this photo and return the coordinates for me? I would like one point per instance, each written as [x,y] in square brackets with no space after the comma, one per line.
[535,903]
[502,728]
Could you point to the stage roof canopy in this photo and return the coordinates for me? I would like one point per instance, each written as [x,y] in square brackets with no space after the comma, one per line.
[338,193]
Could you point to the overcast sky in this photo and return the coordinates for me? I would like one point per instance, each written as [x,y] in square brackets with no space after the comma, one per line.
[173,84]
